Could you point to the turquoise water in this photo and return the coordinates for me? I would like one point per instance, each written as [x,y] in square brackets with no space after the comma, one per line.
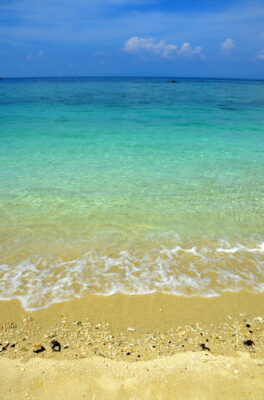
[130,185]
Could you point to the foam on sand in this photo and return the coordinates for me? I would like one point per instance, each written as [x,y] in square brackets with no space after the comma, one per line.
[197,270]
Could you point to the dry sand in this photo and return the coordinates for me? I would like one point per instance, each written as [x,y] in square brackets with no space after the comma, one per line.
[135,347]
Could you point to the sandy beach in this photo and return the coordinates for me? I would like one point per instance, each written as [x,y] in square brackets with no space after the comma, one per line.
[134,347]
[131,184]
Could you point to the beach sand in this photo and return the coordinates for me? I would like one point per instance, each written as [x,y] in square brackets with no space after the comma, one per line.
[134,347]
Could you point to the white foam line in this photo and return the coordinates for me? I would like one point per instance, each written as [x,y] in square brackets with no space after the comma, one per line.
[160,270]
[259,249]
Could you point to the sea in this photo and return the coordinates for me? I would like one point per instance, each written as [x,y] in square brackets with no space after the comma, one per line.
[130,185]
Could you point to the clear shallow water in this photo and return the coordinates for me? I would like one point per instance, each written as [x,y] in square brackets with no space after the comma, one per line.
[130,185]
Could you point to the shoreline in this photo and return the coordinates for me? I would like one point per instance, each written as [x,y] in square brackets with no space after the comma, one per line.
[128,346]
[98,307]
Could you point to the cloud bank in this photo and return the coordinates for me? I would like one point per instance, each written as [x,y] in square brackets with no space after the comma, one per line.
[161,48]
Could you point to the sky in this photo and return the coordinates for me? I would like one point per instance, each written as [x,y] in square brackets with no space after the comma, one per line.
[192,38]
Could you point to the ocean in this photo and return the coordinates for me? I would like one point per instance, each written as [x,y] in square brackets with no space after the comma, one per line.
[130,185]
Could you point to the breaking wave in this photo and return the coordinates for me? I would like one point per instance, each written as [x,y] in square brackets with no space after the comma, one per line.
[191,271]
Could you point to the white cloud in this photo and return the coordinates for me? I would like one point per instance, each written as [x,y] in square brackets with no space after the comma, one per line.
[135,44]
[260,55]
[187,51]
[228,45]
[40,54]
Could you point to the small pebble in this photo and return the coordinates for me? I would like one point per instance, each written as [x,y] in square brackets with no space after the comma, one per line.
[39,349]
[56,346]
[248,342]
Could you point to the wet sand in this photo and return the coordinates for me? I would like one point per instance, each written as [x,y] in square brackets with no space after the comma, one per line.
[134,347]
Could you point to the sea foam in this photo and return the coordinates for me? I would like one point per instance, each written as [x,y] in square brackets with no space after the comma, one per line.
[195,271]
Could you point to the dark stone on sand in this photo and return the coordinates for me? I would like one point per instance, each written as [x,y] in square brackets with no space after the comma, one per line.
[248,343]
[56,346]
[204,347]
[248,325]
[40,349]
[3,348]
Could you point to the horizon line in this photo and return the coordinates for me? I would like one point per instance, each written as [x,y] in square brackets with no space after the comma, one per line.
[131,76]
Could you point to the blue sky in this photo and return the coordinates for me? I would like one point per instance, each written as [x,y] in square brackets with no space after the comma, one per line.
[199,38]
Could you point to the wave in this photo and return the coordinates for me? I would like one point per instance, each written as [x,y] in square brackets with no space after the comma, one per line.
[200,270]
